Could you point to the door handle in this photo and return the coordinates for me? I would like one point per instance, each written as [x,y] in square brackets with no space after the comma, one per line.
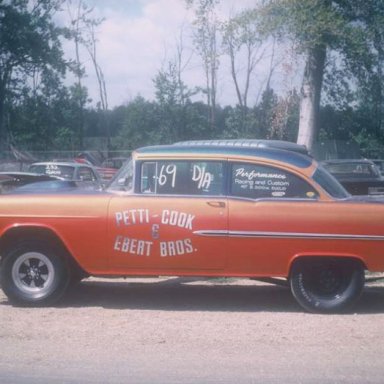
[216,204]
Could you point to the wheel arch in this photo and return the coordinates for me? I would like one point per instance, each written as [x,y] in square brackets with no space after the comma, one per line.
[33,232]
[331,255]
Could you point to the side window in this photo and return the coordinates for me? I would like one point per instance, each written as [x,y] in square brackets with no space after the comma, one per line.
[85,174]
[182,177]
[258,181]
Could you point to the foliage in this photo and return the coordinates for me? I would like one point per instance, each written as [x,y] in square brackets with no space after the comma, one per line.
[40,113]
[206,45]
[350,33]
[241,38]
[34,52]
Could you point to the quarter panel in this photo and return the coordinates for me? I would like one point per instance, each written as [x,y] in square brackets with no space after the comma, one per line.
[264,236]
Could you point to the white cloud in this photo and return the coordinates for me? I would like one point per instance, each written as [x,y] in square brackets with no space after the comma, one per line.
[131,47]
[137,37]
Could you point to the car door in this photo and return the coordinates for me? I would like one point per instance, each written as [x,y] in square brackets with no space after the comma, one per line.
[270,209]
[164,224]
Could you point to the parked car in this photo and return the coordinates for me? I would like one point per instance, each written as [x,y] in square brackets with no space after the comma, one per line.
[380,165]
[359,177]
[198,210]
[10,181]
[114,162]
[47,187]
[105,173]
[85,176]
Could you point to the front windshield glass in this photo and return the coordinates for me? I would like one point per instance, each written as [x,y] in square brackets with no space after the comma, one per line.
[123,180]
[329,183]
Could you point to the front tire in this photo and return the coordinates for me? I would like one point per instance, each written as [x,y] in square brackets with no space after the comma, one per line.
[327,285]
[35,273]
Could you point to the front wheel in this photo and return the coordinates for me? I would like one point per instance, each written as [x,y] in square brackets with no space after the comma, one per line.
[326,285]
[35,273]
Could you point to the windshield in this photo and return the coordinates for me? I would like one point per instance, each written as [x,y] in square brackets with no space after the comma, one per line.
[123,180]
[329,183]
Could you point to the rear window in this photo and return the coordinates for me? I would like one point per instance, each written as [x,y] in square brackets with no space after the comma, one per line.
[329,183]
[256,181]
[64,171]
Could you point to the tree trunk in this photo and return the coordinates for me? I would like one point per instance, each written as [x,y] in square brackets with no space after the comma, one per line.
[3,132]
[310,96]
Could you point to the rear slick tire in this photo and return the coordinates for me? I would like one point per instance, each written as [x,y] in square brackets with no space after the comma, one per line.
[327,285]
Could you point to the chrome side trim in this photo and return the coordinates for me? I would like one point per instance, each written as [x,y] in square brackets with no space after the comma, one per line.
[286,235]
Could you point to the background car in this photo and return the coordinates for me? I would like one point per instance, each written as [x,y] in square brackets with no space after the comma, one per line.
[50,186]
[85,176]
[10,181]
[358,176]
[380,165]
[114,162]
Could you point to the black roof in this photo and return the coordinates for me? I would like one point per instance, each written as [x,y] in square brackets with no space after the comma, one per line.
[250,143]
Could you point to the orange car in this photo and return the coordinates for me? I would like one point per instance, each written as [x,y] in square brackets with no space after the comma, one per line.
[202,209]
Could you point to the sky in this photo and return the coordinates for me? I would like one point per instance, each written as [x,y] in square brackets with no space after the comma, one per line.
[138,37]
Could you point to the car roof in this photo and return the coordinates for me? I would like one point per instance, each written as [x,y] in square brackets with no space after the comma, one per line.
[291,157]
[347,161]
[26,176]
[63,163]
[250,143]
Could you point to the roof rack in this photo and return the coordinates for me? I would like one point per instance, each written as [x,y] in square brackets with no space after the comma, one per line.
[250,143]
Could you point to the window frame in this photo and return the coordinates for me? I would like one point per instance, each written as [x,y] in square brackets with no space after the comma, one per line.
[231,164]
[224,182]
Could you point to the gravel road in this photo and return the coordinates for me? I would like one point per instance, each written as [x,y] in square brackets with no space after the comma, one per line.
[171,330]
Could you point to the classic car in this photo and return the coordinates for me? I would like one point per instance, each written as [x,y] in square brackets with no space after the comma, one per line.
[358,176]
[114,162]
[380,165]
[85,176]
[47,187]
[203,210]
[10,181]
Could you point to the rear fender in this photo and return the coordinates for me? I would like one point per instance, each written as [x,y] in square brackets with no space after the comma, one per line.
[333,255]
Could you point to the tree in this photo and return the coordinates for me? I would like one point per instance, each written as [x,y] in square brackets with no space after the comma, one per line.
[205,39]
[139,126]
[169,91]
[34,49]
[285,117]
[241,33]
[83,30]
[173,97]
[371,78]
[316,28]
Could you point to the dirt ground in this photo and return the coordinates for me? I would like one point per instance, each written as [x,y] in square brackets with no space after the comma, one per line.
[171,330]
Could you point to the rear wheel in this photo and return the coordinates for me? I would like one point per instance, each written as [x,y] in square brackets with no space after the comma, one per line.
[327,285]
[35,273]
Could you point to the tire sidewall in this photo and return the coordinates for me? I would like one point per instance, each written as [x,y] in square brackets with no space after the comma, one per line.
[56,288]
[340,301]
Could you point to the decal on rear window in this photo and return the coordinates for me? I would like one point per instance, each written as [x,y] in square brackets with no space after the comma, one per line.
[258,181]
